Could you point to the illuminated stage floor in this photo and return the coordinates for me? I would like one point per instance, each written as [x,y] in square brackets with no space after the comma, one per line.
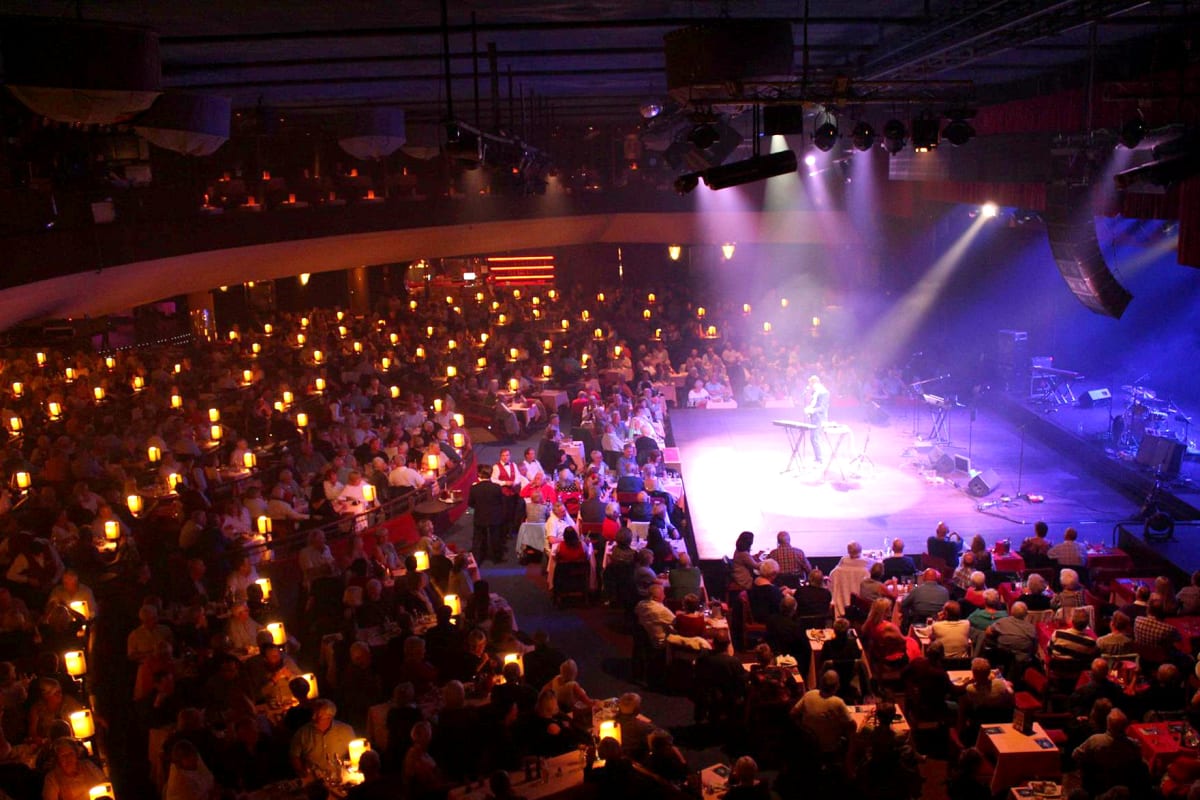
[732,462]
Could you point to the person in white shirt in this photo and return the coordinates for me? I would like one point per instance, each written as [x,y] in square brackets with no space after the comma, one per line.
[242,629]
[505,473]
[316,560]
[558,522]
[189,778]
[70,591]
[241,578]
[237,457]
[403,475]
[280,509]
[698,396]
[825,714]
[351,498]
[530,466]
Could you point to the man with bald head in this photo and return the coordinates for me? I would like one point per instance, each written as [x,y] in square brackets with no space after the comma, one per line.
[1015,635]
[926,599]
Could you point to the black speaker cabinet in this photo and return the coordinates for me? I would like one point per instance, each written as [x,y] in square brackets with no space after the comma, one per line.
[984,483]
[940,460]
[1094,398]
[1161,452]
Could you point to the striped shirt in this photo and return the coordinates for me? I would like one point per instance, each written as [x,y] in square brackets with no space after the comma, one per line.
[1076,648]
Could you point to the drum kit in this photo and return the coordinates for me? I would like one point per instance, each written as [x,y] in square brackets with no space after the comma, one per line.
[1147,414]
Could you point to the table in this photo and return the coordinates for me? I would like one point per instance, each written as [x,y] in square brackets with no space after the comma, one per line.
[961,677]
[816,640]
[1160,743]
[521,411]
[714,780]
[575,451]
[671,458]
[554,399]
[1104,557]
[864,715]
[1011,562]
[1125,589]
[1027,792]
[721,404]
[1018,758]
[532,535]
[562,774]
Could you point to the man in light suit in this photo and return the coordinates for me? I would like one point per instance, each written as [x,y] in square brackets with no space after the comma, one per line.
[816,409]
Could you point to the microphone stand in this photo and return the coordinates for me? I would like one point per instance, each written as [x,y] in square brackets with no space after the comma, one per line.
[1021,467]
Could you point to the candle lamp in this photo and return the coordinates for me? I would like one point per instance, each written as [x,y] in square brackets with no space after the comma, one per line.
[112,530]
[600,297]
[674,251]
[301,339]
[657,334]
[458,419]
[422,559]
[214,415]
[609,729]
[15,424]
[766,327]
[547,370]
[598,334]
[69,373]
[481,362]
[502,319]
[176,401]
[645,313]
[394,338]
[264,525]
[101,791]
[420,353]
[783,302]
[255,348]
[566,324]
[247,376]
[304,322]
[514,658]
[173,479]
[451,371]
[41,359]
[617,351]
[495,305]
[249,460]
[537,313]
[356,748]
[816,322]
[432,462]
[513,384]
[341,315]
[458,440]
[483,338]
[342,331]
[700,312]
[178,368]
[215,432]
[535,300]
[135,504]
[547,346]
[80,607]
[368,492]
[513,353]
[233,336]
[385,363]
[83,726]
[437,405]
[357,347]
[412,305]
[301,420]
[54,409]
[319,385]
[479,297]
[268,329]
[18,388]
[318,356]
[395,392]
[98,393]
[265,585]
[22,479]
[452,602]
[277,631]
[278,406]
[288,397]
[711,332]
[75,663]
[651,298]
[139,383]
[313,692]
[451,345]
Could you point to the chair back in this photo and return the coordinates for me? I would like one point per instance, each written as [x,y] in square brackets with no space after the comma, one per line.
[933,562]
[591,528]
[1035,681]
[1036,617]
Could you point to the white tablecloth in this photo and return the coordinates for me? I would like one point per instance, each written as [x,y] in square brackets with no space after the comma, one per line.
[531,534]
[575,451]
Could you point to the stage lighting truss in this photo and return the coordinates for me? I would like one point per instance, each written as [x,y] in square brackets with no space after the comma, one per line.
[895,136]
[863,136]
[958,131]
[755,168]
[925,132]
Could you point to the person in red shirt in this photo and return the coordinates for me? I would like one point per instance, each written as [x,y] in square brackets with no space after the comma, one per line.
[570,548]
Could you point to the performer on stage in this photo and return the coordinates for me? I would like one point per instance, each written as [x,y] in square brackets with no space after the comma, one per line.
[816,409]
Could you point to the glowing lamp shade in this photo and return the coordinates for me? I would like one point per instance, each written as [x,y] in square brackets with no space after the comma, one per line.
[645,313]
[215,432]
[301,339]
[288,397]
[98,393]
[139,383]
[278,406]
[700,312]
[357,747]
[214,415]
[658,334]
[712,331]
[268,329]
[135,503]
[479,297]
[342,331]
[368,491]
[513,353]
[341,315]
[585,315]
[451,371]
[318,356]
[41,359]
[459,419]
[178,368]
[437,405]
[358,347]
[176,401]
[22,479]
[420,353]
[395,392]
[82,724]
[502,319]
[265,585]
[429,330]
[598,333]
[537,313]
[535,300]
[766,327]
[422,559]
[18,388]
[449,300]
[249,460]
[452,602]
[618,350]
[304,322]
[495,305]
[727,251]
[458,440]
[69,373]
[566,324]
[247,376]
[233,336]
[609,729]
[75,663]
[547,345]
[483,338]
[513,384]
[412,305]
[301,420]
[393,338]
[80,607]
[481,362]
[256,348]
[319,384]
[264,524]
[651,298]
[112,530]
[745,308]
[552,294]
[516,294]
[313,692]
[547,371]
[783,302]
[173,479]
[432,461]
[101,791]
[674,251]
[277,631]
[600,297]
[514,658]
[451,345]
[54,409]
[15,424]
[816,321]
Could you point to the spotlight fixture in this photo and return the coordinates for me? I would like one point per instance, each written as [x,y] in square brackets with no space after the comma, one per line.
[1133,131]
[958,131]
[674,251]
[826,134]
[895,136]
[810,161]
[651,109]
[752,169]
[989,210]
[704,136]
[688,182]
[863,136]
[925,132]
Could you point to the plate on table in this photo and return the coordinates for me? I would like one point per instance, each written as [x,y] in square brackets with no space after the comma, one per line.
[1046,788]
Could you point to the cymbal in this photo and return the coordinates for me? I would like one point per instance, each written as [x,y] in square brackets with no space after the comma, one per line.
[1139,392]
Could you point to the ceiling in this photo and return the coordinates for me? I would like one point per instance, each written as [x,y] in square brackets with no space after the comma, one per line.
[595,63]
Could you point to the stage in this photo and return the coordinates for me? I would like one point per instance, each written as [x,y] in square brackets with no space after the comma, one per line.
[733,460]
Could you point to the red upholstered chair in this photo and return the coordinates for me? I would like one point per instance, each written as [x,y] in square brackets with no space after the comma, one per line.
[743,621]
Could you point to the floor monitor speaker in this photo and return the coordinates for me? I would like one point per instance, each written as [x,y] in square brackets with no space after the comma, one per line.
[984,483]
